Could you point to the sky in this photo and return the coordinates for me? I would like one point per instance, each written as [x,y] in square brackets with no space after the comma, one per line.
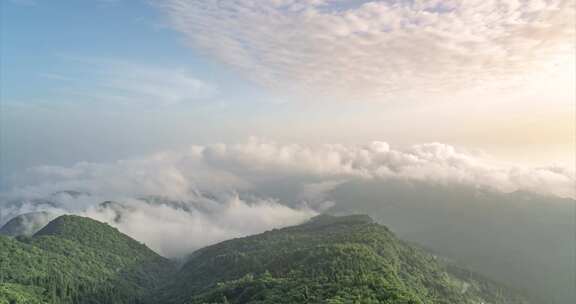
[112,79]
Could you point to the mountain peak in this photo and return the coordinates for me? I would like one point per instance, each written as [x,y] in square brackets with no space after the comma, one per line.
[69,225]
[92,233]
[75,259]
[327,219]
[323,221]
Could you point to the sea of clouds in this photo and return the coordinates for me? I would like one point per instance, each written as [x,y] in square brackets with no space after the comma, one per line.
[179,201]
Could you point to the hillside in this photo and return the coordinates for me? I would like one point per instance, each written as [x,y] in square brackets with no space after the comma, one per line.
[521,238]
[327,260]
[78,260]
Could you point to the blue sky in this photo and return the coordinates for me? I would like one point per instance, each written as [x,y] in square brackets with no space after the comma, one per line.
[107,80]
[43,43]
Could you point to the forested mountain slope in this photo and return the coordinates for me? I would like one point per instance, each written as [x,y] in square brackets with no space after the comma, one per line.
[78,260]
[327,260]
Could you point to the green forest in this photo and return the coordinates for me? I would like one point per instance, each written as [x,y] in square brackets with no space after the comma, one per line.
[327,260]
[78,260]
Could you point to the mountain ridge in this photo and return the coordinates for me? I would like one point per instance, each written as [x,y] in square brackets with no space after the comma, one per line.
[327,259]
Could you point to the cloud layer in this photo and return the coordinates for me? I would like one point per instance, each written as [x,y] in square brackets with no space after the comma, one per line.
[224,167]
[177,228]
[433,162]
[178,201]
[171,227]
[377,50]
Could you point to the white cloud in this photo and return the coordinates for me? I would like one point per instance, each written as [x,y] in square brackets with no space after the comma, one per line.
[175,231]
[178,201]
[229,167]
[173,228]
[378,50]
[434,162]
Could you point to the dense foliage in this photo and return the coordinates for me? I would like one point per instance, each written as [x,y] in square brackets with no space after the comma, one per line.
[16,293]
[331,260]
[328,260]
[78,260]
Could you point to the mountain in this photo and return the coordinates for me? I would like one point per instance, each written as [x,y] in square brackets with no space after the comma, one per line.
[329,259]
[26,224]
[78,260]
[522,238]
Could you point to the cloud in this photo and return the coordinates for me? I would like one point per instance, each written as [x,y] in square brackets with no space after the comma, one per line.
[245,166]
[380,50]
[176,231]
[173,228]
[178,201]
[433,162]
